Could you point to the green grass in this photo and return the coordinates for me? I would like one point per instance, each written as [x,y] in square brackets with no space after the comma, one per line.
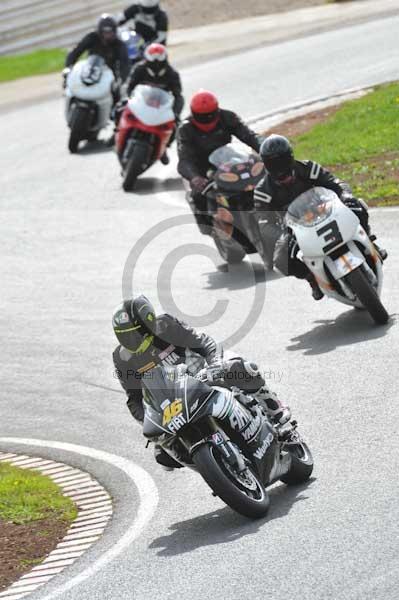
[360,143]
[38,62]
[26,496]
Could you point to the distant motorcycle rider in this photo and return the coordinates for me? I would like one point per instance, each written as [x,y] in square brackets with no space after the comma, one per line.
[147,341]
[285,180]
[209,127]
[155,70]
[150,21]
[104,42]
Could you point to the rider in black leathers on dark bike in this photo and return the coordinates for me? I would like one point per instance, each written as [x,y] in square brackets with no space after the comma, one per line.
[150,20]
[147,341]
[208,128]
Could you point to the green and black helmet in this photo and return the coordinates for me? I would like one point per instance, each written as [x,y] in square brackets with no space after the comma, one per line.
[134,323]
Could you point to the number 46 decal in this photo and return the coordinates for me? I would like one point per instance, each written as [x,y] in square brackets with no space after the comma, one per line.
[330,234]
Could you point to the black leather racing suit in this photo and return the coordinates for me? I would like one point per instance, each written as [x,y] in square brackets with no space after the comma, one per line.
[153,27]
[272,201]
[195,146]
[114,53]
[176,343]
[169,81]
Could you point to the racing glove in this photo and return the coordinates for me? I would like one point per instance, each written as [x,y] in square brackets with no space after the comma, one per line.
[65,73]
[216,370]
[198,184]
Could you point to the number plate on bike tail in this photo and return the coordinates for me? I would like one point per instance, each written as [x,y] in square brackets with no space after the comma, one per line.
[347,263]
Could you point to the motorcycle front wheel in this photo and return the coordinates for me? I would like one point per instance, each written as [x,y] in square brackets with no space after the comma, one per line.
[78,128]
[136,165]
[243,492]
[367,295]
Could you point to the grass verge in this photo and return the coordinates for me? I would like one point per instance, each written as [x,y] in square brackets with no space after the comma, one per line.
[26,496]
[360,143]
[38,62]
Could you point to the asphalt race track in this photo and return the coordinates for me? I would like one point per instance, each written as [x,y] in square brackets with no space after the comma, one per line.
[66,232]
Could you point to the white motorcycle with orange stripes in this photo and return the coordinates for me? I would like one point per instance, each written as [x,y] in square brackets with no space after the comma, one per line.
[338,251]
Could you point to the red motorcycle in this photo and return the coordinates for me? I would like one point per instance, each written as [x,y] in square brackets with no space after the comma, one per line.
[144,131]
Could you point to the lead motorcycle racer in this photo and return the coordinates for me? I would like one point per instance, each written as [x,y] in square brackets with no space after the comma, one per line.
[150,20]
[285,180]
[147,340]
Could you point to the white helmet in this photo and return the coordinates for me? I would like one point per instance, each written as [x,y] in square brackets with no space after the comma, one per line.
[156,56]
[149,3]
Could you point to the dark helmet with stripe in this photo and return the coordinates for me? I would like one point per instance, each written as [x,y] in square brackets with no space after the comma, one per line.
[278,157]
[134,323]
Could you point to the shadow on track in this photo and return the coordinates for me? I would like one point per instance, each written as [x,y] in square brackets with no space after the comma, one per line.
[238,277]
[224,525]
[351,327]
[152,185]
[97,147]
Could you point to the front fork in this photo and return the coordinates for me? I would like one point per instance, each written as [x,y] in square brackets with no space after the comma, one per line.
[222,443]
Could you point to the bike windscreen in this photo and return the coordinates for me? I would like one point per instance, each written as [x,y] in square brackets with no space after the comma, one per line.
[92,70]
[237,169]
[312,207]
[163,384]
[152,96]
[166,386]
[227,155]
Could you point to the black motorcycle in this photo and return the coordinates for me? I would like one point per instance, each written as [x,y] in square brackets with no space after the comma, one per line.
[223,434]
[236,229]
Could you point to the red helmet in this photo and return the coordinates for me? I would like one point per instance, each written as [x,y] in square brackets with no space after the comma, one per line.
[204,110]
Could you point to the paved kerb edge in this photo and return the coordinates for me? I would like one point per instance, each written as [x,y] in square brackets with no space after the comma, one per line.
[94,512]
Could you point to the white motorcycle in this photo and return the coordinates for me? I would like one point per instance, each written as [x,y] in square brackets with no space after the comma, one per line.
[89,100]
[338,251]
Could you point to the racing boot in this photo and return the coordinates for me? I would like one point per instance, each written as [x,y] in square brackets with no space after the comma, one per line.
[165,160]
[381,251]
[316,291]
[165,460]
[275,409]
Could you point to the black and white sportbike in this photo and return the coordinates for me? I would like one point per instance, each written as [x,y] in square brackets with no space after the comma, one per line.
[224,435]
[88,100]
[338,251]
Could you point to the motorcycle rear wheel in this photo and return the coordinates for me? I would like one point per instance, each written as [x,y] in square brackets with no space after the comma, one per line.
[367,295]
[136,165]
[230,486]
[301,465]
[78,129]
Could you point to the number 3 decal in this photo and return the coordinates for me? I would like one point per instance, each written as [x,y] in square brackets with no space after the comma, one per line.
[331,235]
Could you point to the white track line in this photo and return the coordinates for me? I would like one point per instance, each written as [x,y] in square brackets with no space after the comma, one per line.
[148,494]
[83,531]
